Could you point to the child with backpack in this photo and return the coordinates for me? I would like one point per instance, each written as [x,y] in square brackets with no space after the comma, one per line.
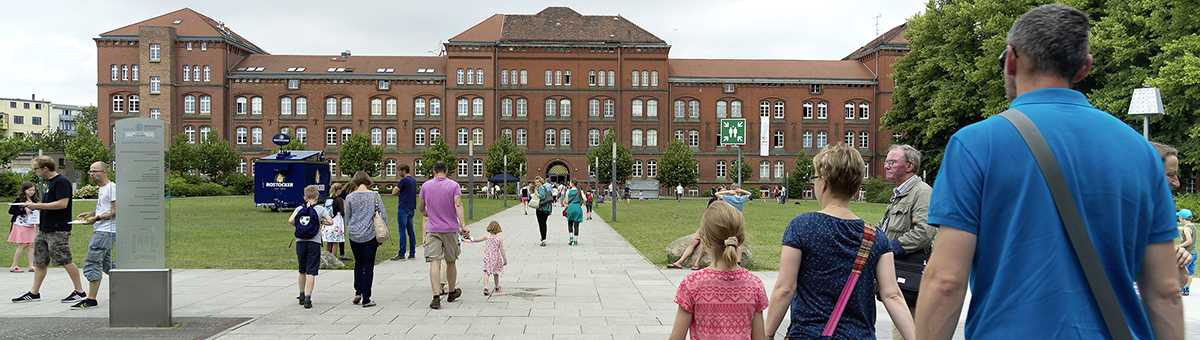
[308,219]
[494,258]
[589,205]
[724,299]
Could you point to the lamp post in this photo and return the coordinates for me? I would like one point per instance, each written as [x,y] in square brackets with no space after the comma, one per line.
[505,172]
[614,180]
[1146,101]
[471,180]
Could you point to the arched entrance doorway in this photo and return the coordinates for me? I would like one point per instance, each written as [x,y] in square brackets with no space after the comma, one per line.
[558,173]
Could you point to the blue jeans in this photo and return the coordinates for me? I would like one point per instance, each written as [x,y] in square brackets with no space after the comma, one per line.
[404,219]
[99,255]
[364,267]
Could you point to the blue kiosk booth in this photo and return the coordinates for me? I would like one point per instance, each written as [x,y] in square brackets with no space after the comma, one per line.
[280,179]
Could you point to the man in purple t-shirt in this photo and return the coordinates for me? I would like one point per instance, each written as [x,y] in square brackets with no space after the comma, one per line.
[441,206]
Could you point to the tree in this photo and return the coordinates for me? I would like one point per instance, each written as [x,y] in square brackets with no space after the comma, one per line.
[494,164]
[747,171]
[294,144]
[800,176]
[357,154]
[50,140]
[438,151]
[179,155]
[214,156]
[85,149]
[10,149]
[677,166]
[604,154]
[87,119]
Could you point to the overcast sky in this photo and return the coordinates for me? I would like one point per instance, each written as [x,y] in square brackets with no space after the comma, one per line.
[49,51]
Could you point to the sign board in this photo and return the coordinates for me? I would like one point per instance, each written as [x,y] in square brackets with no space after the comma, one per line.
[733,131]
[141,221]
[1146,101]
[281,139]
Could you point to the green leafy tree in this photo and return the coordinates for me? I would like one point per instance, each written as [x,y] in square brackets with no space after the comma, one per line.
[85,148]
[214,156]
[294,144]
[604,154]
[438,151]
[747,171]
[677,166]
[357,154]
[51,140]
[87,119]
[10,149]
[179,155]
[800,176]
[494,164]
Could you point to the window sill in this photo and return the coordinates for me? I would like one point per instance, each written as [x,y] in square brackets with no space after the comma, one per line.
[155,92]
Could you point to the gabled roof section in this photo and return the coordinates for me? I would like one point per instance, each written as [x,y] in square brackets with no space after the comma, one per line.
[317,66]
[765,70]
[191,24]
[557,24]
[892,39]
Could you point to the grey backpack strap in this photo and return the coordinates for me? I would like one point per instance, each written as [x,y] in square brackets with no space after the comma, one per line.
[1102,290]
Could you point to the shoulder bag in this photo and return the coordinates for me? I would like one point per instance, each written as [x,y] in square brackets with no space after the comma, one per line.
[381,229]
[534,201]
[1102,290]
[860,261]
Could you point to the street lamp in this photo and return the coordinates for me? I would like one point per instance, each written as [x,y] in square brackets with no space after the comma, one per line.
[505,172]
[1146,101]
[471,180]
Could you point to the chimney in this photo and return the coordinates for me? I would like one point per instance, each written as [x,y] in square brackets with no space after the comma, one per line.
[35,96]
[345,54]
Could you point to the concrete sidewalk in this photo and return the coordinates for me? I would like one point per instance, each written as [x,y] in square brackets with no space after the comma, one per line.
[601,289]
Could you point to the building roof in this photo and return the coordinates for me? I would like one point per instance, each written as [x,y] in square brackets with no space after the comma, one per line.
[557,24]
[766,70]
[892,39]
[190,24]
[317,66]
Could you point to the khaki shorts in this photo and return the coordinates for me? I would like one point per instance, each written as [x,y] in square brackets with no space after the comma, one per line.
[52,248]
[441,246]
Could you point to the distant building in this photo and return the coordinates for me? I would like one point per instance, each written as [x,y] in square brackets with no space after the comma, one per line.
[63,117]
[24,117]
[552,81]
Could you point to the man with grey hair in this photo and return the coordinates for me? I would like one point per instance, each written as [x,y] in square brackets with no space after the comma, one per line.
[1000,228]
[904,222]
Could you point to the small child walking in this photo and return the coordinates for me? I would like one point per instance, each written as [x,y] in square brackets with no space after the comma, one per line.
[335,234]
[723,300]
[308,244]
[494,258]
[24,226]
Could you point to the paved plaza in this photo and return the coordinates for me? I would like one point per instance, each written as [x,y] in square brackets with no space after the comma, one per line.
[601,289]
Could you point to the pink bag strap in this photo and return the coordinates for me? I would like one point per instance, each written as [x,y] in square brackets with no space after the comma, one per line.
[860,261]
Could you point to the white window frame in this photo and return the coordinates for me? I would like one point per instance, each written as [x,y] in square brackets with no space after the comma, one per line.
[594,137]
[285,106]
[652,137]
[347,106]
[256,135]
[376,136]
[419,136]
[241,136]
[637,137]
[301,106]
[522,137]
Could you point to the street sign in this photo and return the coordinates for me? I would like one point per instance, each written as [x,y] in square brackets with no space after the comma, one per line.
[733,131]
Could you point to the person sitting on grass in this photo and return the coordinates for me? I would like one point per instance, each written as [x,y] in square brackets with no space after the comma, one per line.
[308,250]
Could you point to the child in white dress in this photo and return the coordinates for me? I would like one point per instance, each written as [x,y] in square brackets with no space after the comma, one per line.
[494,258]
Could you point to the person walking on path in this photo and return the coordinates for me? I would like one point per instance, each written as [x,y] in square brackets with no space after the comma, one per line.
[588,203]
[361,206]
[830,249]
[547,205]
[441,205]
[335,234]
[407,192]
[24,226]
[679,192]
[905,221]
[494,257]
[525,199]
[104,232]
[52,245]
[723,300]
[627,194]
[1188,231]
[1000,230]
[1170,159]
[308,250]
[573,201]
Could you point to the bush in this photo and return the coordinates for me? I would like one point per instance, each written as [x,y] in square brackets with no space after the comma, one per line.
[10,182]
[87,191]
[236,184]
[210,189]
[879,191]
[1187,201]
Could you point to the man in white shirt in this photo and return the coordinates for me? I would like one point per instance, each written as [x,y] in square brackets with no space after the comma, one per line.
[679,192]
[99,255]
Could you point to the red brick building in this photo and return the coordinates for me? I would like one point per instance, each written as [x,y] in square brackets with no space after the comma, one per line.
[554,81]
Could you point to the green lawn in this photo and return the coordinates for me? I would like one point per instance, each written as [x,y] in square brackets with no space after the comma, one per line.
[652,224]
[229,232]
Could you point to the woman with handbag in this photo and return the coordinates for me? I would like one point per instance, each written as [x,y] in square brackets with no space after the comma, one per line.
[573,201]
[823,256]
[363,206]
[545,205]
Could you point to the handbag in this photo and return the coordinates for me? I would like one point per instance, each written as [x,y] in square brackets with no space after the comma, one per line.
[381,229]
[534,201]
[1102,290]
[860,261]
[909,269]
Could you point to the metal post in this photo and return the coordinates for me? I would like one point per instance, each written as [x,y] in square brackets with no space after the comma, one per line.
[505,172]
[471,180]
[739,166]
[1146,127]
[614,180]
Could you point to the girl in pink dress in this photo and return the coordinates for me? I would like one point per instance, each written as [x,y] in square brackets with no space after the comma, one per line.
[494,258]
[723,301]
[23,229]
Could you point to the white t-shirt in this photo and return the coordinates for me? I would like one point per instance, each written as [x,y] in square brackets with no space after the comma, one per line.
[679,189]
[104,203]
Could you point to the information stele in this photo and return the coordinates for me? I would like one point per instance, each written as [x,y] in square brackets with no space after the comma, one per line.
[141,223]
[733,131]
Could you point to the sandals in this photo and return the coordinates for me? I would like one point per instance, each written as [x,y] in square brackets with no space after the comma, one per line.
[674,266]
[543,243]
[695,267]
[16,270]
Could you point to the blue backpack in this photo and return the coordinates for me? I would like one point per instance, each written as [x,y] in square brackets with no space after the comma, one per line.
[308,222]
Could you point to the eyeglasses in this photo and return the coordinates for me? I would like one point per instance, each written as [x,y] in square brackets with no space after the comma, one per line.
[95,172]
[891,163]
[1004,56]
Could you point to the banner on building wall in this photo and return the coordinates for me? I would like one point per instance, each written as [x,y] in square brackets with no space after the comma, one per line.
[764,136]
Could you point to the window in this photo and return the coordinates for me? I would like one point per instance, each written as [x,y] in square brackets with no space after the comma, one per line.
[549,78]
[850,138]
[293,84]
[567,78]
[285,106]
[155,85]
[594,137]
[206,73]
[435,107]
[206,104]
[612,78]
[594,108]
[477,107]
[331,136]
[822,111]
[346,105]
[654,78]
[503,77]
[463,136]
[693,138]
[154,52]
[391,106]
[550,137]
[477,168]
[779,110]
[524,77]
[779,169]
[301,106]
[241,166]
[866,173]
[550,105]
[240,106]
[391,168]
[419,107]
[189,104]
[187,73]
[462,168]
[778,139]
[735,109]
[764,109]
[190,132]
[652,108]
[470,77]
[376,107]
[256,136]
[637,137]
[862,139]
[652,168]
[506,133]
[376,136]
[637,169]
[18,120]
[302,135]
[849,111]
[204,130]
[346,132]
[633,79]
[864,110]
[679,109]
[557,77]
[522,136]
[506,107]
[195,72]
[256,106]
[564,107]
[652,137]
[434,134]
[608,107]
[522,108]
[808,110]
[721,108]
[645,78]
[330,106]
[135,103]
[241,136]
[600,79]
[134,69]
[764,170]
[115,72]
[816,89]
[479,76]
[679,136]
[462,107]
[821,138]
[694,109]
[419,137]
[477,136]
[333,168]
[460,76]
[565,135]
[417,167]
[730,88]
[118,103]
[721,169]
[591,77]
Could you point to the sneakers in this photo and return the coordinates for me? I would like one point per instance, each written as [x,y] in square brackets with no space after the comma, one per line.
[28,297]
[411,256]
[85,304]
[398,257]
[454,295]
[369,304]
[75,296]
[1186,291]
[486,292]
[357,299]
[497,288]
[307,303]
[301,298]
[437,302]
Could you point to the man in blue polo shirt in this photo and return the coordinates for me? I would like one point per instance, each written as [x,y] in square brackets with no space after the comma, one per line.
[999,228]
